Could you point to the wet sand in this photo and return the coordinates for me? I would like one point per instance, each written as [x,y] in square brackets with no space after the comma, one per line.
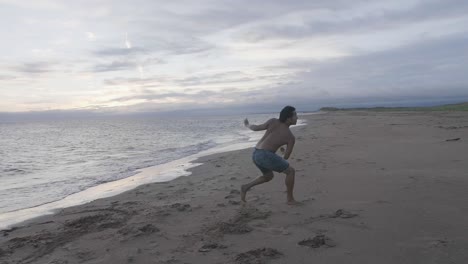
[374,188]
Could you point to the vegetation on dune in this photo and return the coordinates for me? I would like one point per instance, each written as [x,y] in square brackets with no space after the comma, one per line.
[449,107]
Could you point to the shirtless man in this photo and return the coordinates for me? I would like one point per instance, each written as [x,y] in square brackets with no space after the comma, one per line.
[264,156]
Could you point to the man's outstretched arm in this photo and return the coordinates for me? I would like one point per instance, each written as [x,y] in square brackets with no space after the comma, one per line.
[257,127]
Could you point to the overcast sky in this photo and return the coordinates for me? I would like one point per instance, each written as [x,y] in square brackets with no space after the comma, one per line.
[141,55]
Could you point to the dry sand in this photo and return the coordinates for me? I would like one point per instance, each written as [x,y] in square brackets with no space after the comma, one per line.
[375,188]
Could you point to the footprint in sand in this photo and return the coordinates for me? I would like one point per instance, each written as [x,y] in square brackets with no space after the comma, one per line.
[308,199]
[382,202]
[233,228]
[207,247]
[231,202]
[232,194]
[234,191]
[181,207]
[59,261]
[97,221]
[317,241]
[439,243]
[340,213]
[238,224]
[85,255]
[136,231]
[260,255]
[4,253]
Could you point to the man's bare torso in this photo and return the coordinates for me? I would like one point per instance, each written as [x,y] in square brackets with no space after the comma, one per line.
[277,135]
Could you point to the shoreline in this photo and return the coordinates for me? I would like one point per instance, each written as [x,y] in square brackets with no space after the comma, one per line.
[374,188]
[165,172]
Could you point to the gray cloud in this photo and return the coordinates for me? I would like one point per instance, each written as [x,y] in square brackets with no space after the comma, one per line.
[228,78]
[226,14]
[175,43]
[122,65]
[153,61]
[164,32]
[33,67]
[7,77]
[435,9]
[193,96]
[120,51]
[144,82]
[114,66]
[383,20]
[186,46]
[149,95]
[218,78]
[155,44]
[425,69]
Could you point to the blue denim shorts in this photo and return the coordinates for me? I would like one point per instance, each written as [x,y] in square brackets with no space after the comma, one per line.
[268,161]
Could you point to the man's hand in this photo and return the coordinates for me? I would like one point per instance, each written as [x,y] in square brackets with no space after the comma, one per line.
[257,127]
[282,150]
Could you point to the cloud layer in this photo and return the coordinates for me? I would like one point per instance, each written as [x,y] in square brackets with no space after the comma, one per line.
[160,55]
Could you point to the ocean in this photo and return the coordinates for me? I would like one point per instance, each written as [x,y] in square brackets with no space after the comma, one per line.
[46,165]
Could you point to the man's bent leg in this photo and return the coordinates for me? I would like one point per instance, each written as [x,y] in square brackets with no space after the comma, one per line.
[289,181]
[262,179]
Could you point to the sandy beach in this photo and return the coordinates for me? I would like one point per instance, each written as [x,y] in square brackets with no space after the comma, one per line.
[374,187]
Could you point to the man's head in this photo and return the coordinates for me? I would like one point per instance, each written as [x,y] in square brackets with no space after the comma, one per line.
[288,115]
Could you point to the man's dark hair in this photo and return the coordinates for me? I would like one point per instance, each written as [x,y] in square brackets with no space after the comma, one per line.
[286,113]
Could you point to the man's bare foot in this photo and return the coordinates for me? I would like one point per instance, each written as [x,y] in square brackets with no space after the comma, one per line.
[293,202]
[243,193]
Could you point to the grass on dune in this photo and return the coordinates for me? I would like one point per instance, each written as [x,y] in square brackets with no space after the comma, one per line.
[449,107]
